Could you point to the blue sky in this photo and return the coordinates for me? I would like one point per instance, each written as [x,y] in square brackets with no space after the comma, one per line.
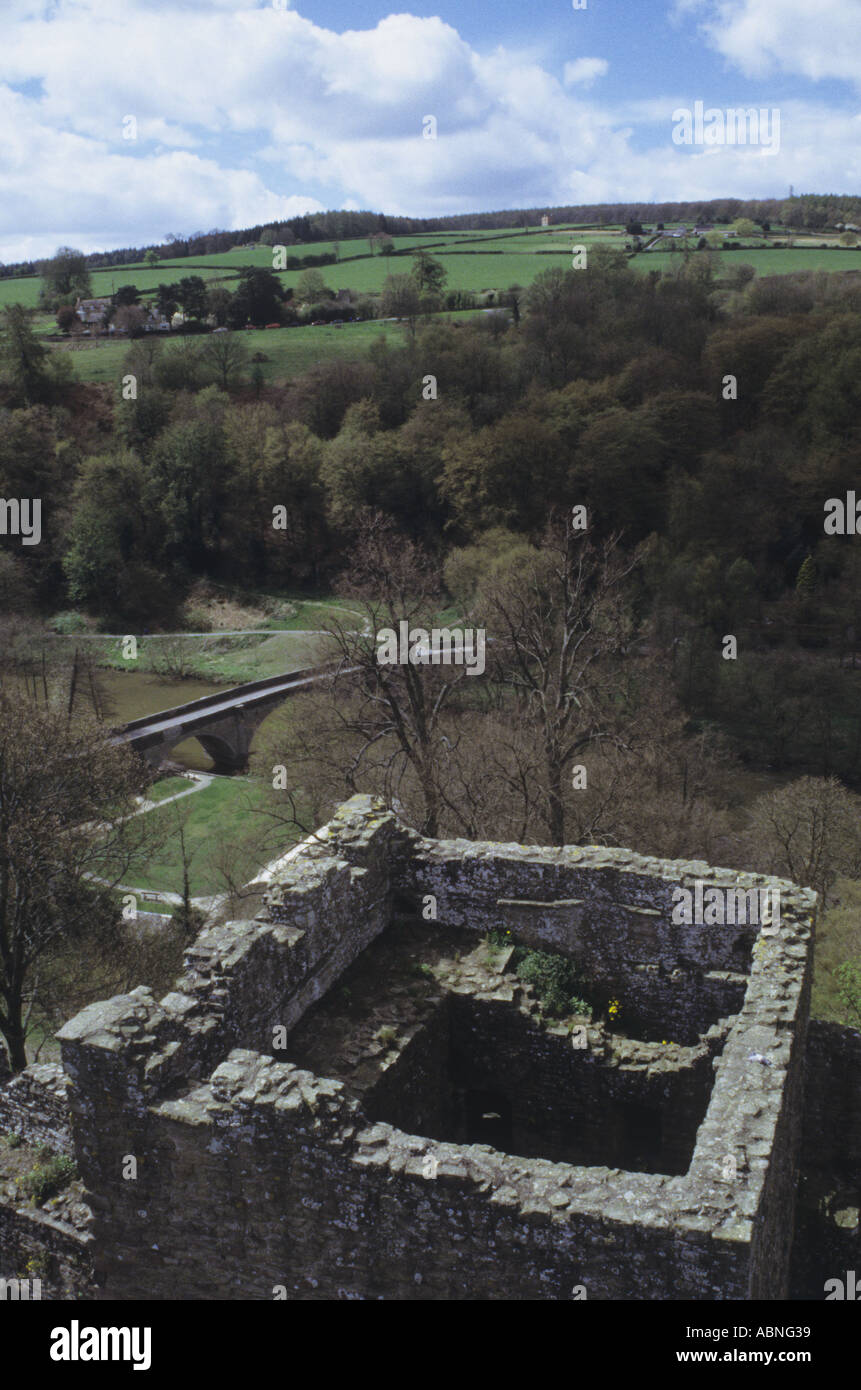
[251,110]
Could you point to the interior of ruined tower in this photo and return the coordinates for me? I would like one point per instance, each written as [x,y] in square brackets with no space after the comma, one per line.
[438,1036]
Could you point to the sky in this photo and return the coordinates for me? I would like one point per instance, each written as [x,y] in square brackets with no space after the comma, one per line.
[125,120]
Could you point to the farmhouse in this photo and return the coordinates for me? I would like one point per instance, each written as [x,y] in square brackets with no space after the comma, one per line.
[156,321]
[92,311]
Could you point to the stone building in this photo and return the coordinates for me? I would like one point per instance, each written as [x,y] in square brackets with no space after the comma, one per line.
[355,1096]
[92,311]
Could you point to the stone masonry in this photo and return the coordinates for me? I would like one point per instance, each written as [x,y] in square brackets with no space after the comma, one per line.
[353,1096]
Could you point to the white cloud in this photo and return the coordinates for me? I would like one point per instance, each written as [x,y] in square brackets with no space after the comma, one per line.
[59,180]
[246,113]
[584,71]
[816,39]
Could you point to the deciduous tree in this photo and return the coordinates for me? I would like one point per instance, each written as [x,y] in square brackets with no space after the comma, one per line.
[227,355]
[808,831]
[559,621]
[65,275]
[61,783]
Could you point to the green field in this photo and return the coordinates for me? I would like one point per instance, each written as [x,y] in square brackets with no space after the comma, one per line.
[475,262]
[169,786]
[496,269]
[766,262]
[365,274]
[514,261]
[559,239]
[24,291]
[242,256]
[219,660]
[209,819]
[96,361]
[511,257]
[290,351]
[107,282]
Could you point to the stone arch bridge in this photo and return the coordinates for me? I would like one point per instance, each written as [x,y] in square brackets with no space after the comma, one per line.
[224,724]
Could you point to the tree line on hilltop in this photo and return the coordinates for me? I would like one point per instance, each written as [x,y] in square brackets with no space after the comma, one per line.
[808,211]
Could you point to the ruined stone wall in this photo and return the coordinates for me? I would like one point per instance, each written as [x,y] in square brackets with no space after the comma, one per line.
[243,981]
[36,1244]
[215,1171]
[415,1094]
[613,906]
[312,1201]
[611,911]
[578,1105]
[33,1245]
[832,1101]
[34,1104]
[570,1105]
[779,1155]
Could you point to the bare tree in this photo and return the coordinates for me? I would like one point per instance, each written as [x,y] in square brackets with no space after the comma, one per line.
[808,831]
[401,299]
[383,241]
[560,623]
[173,656]
[379,727]
[67,838]
[480,758]
[227,355]
[130,319]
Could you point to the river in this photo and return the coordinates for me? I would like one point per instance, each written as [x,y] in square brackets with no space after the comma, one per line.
[131,694]
[127,695]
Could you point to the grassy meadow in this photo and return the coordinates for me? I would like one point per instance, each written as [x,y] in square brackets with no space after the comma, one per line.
[476,262]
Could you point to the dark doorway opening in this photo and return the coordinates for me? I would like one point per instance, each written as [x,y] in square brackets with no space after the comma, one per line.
[643,1137]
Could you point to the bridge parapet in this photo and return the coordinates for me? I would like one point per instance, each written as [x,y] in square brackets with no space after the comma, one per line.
[224,724]
[206,701]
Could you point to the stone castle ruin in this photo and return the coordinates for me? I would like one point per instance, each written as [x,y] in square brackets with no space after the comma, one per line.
[354,1095]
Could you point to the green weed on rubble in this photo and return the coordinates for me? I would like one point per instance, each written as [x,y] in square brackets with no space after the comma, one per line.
[555,980]
[47,1179]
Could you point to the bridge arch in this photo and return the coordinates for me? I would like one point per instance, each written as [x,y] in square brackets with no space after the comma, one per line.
[224,754]
[223,724]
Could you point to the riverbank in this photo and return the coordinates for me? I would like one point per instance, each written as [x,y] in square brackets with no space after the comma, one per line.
[215,658]
[223,636]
